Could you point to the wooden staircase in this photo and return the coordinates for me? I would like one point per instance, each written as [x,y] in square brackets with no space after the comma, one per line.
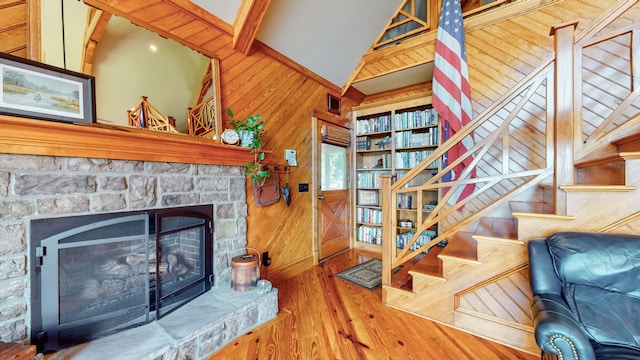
[479,282]
[465,284]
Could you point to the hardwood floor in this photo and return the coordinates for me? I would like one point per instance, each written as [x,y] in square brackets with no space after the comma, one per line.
[324,317]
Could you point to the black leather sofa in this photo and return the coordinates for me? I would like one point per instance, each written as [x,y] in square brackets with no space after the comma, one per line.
[586,295]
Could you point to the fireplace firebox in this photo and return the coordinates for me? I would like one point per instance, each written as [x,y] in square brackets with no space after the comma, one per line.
[95,275]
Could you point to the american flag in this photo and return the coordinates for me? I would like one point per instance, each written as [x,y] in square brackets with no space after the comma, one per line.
[452,92]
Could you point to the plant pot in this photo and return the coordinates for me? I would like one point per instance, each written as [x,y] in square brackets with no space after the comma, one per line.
[247,138]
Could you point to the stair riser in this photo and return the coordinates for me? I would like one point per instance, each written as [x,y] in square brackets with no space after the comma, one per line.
[487,250]
[612,173]
[510,334]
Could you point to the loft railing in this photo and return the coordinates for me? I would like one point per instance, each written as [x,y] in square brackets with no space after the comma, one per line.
[203,121]
[145,116]
[415,17]
[524,137]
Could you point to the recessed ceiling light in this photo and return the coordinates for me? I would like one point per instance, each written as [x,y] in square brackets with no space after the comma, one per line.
[153,48]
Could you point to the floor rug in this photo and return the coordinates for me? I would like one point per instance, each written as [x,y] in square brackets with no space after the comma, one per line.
[367,274]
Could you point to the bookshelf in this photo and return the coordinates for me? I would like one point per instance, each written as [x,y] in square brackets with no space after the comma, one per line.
[391,138]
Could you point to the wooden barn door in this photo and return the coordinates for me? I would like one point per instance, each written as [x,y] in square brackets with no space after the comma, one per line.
[332,192]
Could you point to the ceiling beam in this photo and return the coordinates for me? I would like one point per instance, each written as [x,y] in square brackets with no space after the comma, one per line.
[97,24]
[247,23]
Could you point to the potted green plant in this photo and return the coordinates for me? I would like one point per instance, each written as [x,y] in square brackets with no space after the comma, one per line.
[251,131]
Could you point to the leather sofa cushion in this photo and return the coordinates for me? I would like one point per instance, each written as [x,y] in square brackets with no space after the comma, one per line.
[607,317]
[607,261]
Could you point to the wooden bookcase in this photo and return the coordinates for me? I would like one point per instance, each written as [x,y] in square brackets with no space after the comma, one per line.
[391,138]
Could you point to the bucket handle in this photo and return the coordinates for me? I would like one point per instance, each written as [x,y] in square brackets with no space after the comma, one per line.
[249,257]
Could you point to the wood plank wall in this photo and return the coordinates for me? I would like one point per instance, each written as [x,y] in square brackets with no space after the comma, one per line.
[14,24]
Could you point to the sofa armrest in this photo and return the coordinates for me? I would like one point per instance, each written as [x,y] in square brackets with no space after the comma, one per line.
[556,329]
[543,274]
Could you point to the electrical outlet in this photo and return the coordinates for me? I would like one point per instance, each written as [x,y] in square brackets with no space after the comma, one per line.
[266,260]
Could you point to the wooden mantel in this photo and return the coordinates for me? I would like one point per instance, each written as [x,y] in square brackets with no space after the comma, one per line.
[41,137]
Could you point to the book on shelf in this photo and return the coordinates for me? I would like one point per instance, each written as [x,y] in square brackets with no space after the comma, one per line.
[374,124]
[370,234]
[370,179]
[424,238]
[369,215]
[411,138]
[414,119]
[404,201]
[409,159]
[363,142]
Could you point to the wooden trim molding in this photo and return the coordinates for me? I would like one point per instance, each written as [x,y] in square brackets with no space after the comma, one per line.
[38,137]
[247,23]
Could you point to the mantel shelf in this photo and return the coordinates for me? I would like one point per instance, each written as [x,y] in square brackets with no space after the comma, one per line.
[40,137]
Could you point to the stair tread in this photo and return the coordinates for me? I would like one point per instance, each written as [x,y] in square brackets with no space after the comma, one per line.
[630,139]
[504,228]
[462,245]
[604,159]
[584,188]
[531,207]
[430,264]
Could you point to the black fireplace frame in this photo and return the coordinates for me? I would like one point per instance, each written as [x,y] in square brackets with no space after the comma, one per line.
[42,229]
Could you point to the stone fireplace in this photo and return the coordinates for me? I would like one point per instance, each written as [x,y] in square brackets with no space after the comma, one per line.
[35,187]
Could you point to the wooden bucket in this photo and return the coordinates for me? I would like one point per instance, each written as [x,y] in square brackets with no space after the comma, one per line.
[245,271]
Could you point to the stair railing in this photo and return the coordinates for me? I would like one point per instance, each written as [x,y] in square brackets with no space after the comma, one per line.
[519,118]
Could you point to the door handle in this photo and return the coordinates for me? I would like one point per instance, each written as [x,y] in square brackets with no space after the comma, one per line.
[321,197]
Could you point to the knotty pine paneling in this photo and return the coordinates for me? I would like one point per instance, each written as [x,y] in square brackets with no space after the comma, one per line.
[13,27]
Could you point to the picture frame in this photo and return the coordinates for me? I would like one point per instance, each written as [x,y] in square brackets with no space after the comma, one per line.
[39,91]
[333,104]
[368,197]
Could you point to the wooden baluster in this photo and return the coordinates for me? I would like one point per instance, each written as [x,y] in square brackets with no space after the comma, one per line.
[564,121]
[388,222]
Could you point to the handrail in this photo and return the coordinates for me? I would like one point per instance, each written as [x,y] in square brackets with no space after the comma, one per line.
[603,21]
[474,124]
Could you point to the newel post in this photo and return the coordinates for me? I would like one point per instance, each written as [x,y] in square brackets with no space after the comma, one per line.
[388,243]
[564,116]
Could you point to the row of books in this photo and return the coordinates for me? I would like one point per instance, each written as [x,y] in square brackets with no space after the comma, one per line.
[363,143]
[373,125]
[410,159]
[404,201]
[369,215]
[370,234]
[424,238]
[413,119]
[372,179]
[409,138]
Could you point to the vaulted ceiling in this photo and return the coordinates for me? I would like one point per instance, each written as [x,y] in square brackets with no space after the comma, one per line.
[327,37]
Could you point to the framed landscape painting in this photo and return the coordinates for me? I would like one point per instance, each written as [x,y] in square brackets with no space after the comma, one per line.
[39,91]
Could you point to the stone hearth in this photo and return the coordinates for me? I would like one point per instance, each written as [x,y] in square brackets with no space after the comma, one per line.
[194,331]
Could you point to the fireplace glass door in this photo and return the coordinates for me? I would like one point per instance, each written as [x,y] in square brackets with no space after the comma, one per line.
[180,275]
[98,273]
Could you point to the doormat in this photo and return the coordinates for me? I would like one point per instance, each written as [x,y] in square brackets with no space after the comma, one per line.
[367,274]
